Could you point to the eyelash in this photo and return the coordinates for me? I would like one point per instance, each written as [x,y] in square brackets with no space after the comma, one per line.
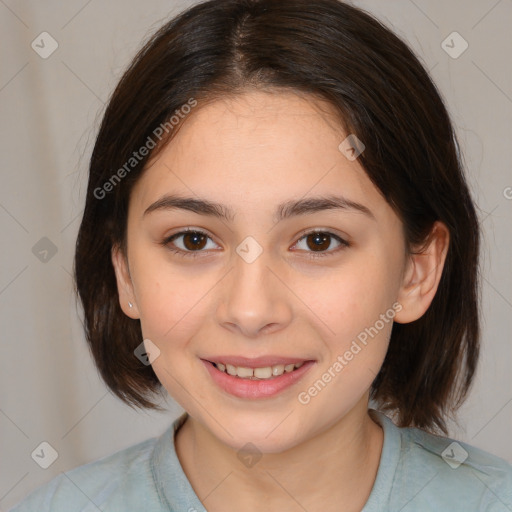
[195,254]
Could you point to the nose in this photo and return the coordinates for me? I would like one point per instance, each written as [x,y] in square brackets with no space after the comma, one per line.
[254,300]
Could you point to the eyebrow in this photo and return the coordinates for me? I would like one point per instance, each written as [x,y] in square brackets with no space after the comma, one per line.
[283,211]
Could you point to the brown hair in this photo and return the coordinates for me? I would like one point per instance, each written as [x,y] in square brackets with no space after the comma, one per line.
[383,95]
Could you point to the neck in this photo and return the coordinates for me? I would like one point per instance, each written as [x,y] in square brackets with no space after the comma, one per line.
[336,466]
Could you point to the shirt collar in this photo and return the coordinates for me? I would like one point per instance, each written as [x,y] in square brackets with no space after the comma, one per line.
[176,492]
[172,484]
[390,455]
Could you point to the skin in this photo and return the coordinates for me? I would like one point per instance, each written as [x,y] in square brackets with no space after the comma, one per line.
[250,153]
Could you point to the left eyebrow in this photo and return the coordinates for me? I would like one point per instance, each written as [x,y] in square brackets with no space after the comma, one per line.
[283,211]
[317,204]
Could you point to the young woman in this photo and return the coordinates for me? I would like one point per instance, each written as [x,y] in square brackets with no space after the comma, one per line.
[278,230]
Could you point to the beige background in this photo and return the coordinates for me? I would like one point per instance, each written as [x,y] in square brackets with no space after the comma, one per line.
[49,114]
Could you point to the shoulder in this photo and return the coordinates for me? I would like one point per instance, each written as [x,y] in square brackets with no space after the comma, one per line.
[110,483]
[437,470]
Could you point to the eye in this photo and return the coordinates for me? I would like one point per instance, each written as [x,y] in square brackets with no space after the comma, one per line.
[192,243]
[320,241]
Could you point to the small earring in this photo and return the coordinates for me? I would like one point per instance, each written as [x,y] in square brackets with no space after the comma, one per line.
[130,304]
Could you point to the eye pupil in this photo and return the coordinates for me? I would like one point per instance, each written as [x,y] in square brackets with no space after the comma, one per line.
[320,240]
[196,237]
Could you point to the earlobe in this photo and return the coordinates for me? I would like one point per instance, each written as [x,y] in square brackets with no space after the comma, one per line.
[422,275]
[124,283]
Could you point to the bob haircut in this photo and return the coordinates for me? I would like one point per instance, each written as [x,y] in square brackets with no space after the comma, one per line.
[328,50]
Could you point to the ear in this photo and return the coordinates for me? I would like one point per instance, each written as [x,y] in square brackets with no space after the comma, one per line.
[124,283]
[422,275]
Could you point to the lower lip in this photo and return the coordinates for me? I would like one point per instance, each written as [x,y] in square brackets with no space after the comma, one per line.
[253,389]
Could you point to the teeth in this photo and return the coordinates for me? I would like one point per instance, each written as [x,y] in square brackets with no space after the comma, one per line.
[244,372]
[231,369]
[266,372]
[261,373]
[278,369]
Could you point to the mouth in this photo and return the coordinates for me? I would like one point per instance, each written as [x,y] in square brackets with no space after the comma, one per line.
[257,373]
[256,379]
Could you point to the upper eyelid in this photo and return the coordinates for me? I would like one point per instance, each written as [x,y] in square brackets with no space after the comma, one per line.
[329,231]
[186,231]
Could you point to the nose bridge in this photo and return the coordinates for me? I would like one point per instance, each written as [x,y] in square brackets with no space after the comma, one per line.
[254,299]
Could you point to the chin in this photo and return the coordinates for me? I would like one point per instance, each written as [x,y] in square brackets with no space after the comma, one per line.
[268,436]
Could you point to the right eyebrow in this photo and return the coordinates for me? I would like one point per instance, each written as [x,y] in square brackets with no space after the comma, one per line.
[199,206]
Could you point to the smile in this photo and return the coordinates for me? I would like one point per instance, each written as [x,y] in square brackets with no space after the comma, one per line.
[258,382]
[265,372]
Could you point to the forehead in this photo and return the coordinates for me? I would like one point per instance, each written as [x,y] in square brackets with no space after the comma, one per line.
[256,149]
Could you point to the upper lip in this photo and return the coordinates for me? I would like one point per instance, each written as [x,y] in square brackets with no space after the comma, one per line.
[255,362]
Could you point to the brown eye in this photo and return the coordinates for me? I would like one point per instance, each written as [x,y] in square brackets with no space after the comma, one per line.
[194,240]
[188,243]
[319,242]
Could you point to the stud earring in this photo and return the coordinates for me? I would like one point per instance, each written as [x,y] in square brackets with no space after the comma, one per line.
[130,304]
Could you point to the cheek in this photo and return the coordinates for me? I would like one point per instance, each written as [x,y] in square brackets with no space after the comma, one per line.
[171,300]
[357,305]
[351,297]
[173,305]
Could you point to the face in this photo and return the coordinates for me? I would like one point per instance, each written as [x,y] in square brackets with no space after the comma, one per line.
[258,282]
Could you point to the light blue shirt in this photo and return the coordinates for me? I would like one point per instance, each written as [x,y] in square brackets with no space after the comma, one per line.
[417,472]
